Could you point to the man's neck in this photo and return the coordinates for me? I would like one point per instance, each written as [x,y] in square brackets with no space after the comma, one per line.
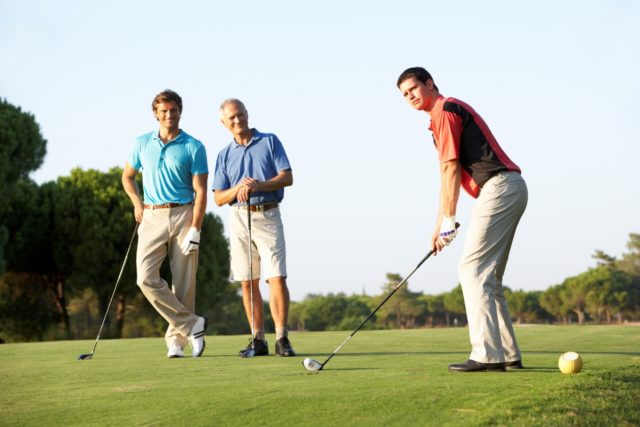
[432,103]
[244,138]
[168,134]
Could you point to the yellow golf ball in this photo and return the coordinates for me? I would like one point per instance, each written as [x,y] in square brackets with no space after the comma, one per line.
[570,363]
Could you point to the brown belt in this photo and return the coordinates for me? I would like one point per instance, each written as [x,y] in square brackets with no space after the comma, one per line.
[263,208]
[166,205]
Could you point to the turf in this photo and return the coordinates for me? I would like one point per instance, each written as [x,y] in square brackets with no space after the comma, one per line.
[378,378]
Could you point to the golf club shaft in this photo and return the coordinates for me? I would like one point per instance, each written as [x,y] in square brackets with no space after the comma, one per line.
[380,305]
[133,236]
[250,271]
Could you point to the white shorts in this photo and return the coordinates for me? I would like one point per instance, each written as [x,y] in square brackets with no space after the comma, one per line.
[267,247]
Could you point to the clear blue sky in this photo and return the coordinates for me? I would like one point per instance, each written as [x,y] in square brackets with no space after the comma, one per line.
[557,82]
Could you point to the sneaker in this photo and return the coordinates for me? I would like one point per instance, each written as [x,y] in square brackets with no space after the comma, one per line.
[196,338]
[175,351]
[260,348]
[283,347]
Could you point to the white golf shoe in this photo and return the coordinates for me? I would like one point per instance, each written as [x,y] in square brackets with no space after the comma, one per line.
[196,337]
[175,351]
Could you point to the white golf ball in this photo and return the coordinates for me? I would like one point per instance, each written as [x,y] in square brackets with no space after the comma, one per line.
[570,363]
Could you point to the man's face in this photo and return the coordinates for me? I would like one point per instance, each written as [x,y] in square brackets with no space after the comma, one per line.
[235,118]
[419,95]
[168,115]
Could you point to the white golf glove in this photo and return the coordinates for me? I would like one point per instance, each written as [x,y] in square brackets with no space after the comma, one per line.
[191,241]
[448,230]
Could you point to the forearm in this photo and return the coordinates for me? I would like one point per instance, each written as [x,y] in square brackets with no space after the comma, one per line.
[450,173]
[200,200]
[282,180]
[199,207]
[225,197]
[131,188]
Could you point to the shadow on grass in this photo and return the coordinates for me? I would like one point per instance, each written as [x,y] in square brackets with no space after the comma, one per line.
[598,353]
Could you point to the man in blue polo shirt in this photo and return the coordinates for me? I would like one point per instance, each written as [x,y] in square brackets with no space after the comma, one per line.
[254,167]
[174,179]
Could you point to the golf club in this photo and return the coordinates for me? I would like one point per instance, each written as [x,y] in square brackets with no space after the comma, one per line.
[90,355]
[252,351]
[314,366]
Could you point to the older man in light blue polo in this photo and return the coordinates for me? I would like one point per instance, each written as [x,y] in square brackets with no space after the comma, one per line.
[254,168]
[174,179]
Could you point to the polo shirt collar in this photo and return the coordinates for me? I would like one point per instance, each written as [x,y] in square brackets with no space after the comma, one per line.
[256,136]
[156,136]
[437,108]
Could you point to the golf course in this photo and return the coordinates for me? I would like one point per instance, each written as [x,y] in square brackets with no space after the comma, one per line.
[390,377]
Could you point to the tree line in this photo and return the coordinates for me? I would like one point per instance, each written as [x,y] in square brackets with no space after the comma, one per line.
[62,244]
[607,293]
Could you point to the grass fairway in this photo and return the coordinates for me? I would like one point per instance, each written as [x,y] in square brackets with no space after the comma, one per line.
[379,378]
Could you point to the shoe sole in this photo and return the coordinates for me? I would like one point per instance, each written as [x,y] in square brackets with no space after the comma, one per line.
[243,353]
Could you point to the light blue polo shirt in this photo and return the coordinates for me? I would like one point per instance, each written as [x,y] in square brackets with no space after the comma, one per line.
[261,159]
[168,169]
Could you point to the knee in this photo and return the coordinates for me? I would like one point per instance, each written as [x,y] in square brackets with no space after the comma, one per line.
[152,283]
[465,269]
[280,282]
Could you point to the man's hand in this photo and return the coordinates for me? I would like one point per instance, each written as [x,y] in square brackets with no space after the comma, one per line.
[245,187]
[191,241]
[448,230]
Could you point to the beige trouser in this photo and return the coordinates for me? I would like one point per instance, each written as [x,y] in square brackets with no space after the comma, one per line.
[494,219]
[160,233]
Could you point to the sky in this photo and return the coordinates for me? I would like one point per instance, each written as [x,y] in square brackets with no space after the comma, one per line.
[556,81]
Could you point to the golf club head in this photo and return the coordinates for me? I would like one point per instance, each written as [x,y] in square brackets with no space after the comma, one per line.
[248,353]
[85,356]
[312,365]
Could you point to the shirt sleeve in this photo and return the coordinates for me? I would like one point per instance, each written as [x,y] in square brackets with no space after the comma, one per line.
[134,156]
[447,130]
[199,165]
[220,177]
[280,159]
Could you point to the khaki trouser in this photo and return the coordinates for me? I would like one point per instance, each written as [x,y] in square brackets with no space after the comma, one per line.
[268,244]
[160,234]
[494,219]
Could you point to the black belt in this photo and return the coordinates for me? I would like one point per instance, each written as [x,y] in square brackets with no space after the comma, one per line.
[166,205]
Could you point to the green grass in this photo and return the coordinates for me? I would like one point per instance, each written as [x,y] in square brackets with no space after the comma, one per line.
[378,378]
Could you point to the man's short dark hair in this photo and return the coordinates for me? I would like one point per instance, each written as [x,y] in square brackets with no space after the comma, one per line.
[418,73]
[167,95]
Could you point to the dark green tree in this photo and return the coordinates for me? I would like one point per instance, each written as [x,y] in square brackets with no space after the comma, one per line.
[22,149]
[454,305]
[524,306]
[29,222]
[403,309]
[216,296]
[553,302]
[330,312]
[434,309]
[26,309]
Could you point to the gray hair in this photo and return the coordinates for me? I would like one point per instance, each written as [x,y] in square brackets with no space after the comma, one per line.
[235,101]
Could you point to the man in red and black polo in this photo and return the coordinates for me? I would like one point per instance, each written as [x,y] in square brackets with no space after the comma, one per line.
[471,158]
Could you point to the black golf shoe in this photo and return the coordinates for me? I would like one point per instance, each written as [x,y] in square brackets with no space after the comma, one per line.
[514,365]
[283,347]
[259,347]
[473,366]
